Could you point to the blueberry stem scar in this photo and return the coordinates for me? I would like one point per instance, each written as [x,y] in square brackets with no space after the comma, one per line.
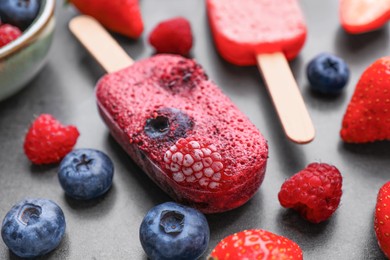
[172,221]
[84,162]
[28,213]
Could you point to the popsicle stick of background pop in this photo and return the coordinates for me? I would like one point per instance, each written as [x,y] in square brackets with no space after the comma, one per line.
[267,33]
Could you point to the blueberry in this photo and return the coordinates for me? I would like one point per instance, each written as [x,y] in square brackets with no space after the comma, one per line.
[20,13]
[174,231]
[327,73]
[169,124]
[33,227]
[86,173]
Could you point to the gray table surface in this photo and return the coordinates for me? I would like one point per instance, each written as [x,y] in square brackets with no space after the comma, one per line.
[107,228]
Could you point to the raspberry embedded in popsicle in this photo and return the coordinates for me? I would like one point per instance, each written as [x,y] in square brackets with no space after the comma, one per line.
[243,29]
[359,16]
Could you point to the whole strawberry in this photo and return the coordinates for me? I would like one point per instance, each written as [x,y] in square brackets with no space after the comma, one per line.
[367,118]
[8,33]
[314,192]
[172,36]
[382,220]
[256,244]
[120,16]
[48,141]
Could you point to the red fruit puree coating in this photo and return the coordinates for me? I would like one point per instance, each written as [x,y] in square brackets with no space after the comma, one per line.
[184,132]
[243,29]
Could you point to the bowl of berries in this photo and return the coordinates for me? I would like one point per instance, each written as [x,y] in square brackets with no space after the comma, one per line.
[26,33]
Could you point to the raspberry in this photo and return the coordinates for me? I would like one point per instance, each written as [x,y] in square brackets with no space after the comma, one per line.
[8,33]
[172,36]
[48,141]
[314,192]
[191,163]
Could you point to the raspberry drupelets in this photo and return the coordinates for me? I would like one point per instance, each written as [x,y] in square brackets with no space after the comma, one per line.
[172,36]
[193,164]
[48,141]
[314,192]
[166,103]
[8,33]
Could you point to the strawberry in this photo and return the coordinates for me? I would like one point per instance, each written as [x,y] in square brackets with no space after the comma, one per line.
[47,141]
[367,118]
[359,16]
[195,164]
[8,33]
[120,16]
[315,192]
[256,244]
[172,36]
[382,219]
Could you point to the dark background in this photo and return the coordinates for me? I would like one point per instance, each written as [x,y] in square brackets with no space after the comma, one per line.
[107,228]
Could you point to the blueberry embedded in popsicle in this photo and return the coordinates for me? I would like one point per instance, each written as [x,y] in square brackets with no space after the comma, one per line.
[168,124]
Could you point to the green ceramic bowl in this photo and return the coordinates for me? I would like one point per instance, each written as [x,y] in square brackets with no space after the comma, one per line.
[23,58]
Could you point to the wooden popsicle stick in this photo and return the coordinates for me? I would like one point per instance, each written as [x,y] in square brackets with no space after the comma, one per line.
[286,97]
[100,44]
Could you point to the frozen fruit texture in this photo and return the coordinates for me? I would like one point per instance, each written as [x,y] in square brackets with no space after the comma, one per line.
[256,244]
[48,141]
[195,164]
[360,16]
[314,192]
[8,33]
[242,29]
[122,16]
[367,118]
[382,220]
[168,124]
[176,92]
[172,36]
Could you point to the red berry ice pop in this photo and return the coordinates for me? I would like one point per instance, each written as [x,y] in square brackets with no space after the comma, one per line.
[360,16]
[266,32]
[177,125]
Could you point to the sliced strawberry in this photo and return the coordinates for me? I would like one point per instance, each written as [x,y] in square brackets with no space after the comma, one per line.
[359,16]
[256,244]
[382,219]
[367,118]
[120,16]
